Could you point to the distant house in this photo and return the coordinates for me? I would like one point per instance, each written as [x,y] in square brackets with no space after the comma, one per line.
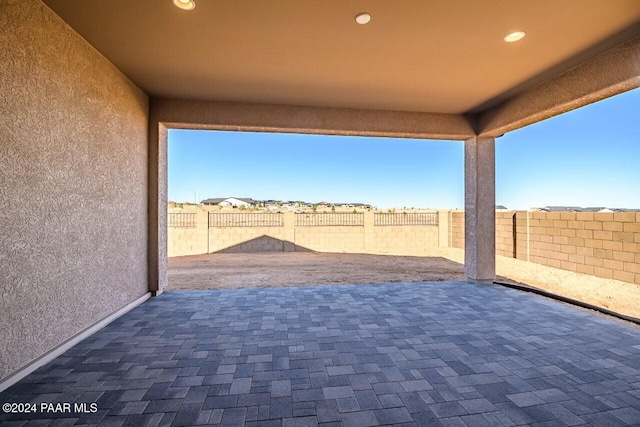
[230,201]
[213,201]
[353,205]
[614,210]
[611,210]
[238,202]
[501,208]
[596,209]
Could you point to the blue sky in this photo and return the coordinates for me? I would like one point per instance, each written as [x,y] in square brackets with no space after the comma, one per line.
[587,157]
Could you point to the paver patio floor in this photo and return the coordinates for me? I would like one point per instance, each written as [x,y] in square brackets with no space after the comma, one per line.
[435,353]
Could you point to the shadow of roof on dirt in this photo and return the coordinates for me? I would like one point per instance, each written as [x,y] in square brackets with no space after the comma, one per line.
[263,244]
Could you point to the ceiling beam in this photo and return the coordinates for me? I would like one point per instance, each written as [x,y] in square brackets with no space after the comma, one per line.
[213,115]
[613,72]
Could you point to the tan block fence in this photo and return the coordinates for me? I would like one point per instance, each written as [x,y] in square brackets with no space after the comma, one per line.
[602,244]
[365,232]
[606,245]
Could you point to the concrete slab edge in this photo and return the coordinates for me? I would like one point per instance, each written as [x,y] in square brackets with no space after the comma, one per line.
[22,372]
[570,301]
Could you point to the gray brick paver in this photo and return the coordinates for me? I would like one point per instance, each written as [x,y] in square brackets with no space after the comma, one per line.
[337,392]
[348,404]
[477,406]
[240,386]
[445,353]
[281,388]
[416,385]
[300,422]
[627,415]
[359,419]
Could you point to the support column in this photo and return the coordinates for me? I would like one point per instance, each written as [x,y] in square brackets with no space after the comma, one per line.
[157,208]
[480,210]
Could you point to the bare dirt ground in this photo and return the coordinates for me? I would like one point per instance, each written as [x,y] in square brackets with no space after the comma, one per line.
[234,271]
[615,295]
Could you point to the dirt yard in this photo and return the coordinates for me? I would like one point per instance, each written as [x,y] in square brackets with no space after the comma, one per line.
[231,271]
[234,271]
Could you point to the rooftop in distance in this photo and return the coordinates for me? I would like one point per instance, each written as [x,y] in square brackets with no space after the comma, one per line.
[579,209]
[249,202]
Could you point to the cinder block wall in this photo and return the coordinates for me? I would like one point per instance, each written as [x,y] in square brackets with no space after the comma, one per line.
[606,245]
[189,240]
[505,237]
[603,244]
[331,238]
[366,238]
[457,229]
[404,239]
[246,239]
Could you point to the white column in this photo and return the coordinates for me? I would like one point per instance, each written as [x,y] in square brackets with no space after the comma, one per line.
[479,211]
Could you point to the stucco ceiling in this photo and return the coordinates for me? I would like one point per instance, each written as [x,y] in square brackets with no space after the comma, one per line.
[445,56]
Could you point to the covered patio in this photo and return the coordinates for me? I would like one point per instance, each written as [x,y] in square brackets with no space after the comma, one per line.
[429,354]
[89,92]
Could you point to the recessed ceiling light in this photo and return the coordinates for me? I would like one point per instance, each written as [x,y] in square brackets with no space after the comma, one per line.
[515,36]
[185,4]
[363,18]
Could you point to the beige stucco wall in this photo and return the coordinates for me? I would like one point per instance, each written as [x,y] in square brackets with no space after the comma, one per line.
[73,174]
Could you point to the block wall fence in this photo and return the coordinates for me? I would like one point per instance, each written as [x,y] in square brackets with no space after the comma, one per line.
[197,237]
[606,245]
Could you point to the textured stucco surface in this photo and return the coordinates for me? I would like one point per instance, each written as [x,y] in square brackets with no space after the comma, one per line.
[192,114]
[73,193]
[614,72]
[157,205]
[479,203]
